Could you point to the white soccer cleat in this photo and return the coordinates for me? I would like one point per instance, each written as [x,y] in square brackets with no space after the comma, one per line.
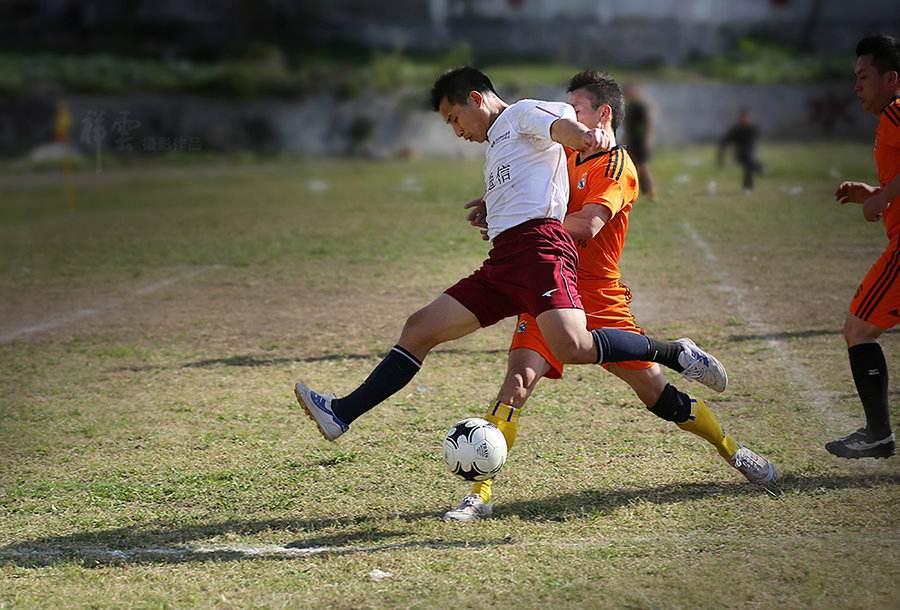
[701,367]
[757,469]
[318,407]
[470,509]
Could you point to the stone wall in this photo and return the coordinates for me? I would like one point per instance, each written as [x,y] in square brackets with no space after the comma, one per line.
[386,127]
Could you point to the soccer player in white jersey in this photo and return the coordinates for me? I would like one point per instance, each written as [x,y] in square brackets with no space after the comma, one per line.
[603,189]
[532,264]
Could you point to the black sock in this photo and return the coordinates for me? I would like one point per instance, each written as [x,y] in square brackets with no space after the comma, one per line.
[614,345]
[389,377]
[672,405]
[665,353]
[871,376]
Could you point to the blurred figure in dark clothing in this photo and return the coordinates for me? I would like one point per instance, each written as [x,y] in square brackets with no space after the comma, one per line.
[638,130]
[743,135]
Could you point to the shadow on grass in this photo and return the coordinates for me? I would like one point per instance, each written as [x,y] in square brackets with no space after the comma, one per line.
[251,361]
[594,501]
[368,533]
[795,334]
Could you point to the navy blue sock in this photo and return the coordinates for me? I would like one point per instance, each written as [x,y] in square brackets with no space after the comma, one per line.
[389,377]
[871,376]
[614,345]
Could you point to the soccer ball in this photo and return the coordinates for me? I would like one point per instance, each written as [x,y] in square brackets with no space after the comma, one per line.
[474,449]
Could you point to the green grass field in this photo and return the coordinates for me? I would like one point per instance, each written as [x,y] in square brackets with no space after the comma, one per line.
[152,454]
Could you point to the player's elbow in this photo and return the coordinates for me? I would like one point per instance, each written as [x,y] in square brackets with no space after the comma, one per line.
[567,132]
[594,227]
[579,232]
[584,230]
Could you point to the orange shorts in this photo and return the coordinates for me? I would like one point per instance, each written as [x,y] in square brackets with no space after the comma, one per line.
[606,304]
[877,300]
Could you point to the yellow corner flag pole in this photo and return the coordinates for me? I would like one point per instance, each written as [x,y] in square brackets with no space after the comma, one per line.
[61,132]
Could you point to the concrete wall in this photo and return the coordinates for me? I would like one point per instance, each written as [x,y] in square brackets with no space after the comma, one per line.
[386,127]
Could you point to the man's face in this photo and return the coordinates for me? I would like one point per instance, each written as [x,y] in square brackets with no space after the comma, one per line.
[583,104]
[873,90]
[469,120]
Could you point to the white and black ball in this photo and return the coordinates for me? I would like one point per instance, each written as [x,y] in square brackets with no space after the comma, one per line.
[474,449]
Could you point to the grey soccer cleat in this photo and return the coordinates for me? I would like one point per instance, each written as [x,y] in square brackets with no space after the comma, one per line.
[757,469]
[861,444]
[470,509]
[318,407]
[700,366]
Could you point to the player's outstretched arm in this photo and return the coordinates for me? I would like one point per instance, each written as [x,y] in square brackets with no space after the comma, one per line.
[874,206]
[587,222]
[578,137]
[854,192]
[477,216]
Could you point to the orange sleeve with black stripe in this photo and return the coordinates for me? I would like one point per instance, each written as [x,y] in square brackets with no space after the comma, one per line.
[605,188]
[606,192]
[890,134]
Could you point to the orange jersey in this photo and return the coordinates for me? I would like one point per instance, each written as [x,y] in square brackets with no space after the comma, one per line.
[887,160]
[608,179]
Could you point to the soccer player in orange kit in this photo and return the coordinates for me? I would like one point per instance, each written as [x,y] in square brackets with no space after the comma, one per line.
[876,305]
[603,187]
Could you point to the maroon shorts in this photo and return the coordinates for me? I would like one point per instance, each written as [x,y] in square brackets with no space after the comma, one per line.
[531,268]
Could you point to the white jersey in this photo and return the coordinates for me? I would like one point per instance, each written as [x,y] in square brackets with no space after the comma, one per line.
[524,170]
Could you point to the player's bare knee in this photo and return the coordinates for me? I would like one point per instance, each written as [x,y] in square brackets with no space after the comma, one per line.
[569,349]
[519,394]
[514,390]
[849,332]
[419,331]
[857,331]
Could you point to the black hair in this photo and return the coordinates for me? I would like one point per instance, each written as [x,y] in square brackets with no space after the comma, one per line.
[885,52]
[603,89]
[456,84]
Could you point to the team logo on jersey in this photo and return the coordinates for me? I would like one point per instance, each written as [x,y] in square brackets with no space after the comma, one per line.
[522,327]
[582,181]
[500,138]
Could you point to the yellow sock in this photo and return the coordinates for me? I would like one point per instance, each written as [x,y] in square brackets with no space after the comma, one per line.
[505,417]
[703,423]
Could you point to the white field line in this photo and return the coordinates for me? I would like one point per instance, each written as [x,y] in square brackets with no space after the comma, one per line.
[187,553]
[78,314]
[786,361]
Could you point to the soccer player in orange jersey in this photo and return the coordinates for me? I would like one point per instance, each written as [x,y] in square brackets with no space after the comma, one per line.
[603,187]
[876,305]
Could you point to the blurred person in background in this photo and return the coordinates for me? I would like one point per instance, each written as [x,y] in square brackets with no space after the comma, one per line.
[638,133]
[744,136]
